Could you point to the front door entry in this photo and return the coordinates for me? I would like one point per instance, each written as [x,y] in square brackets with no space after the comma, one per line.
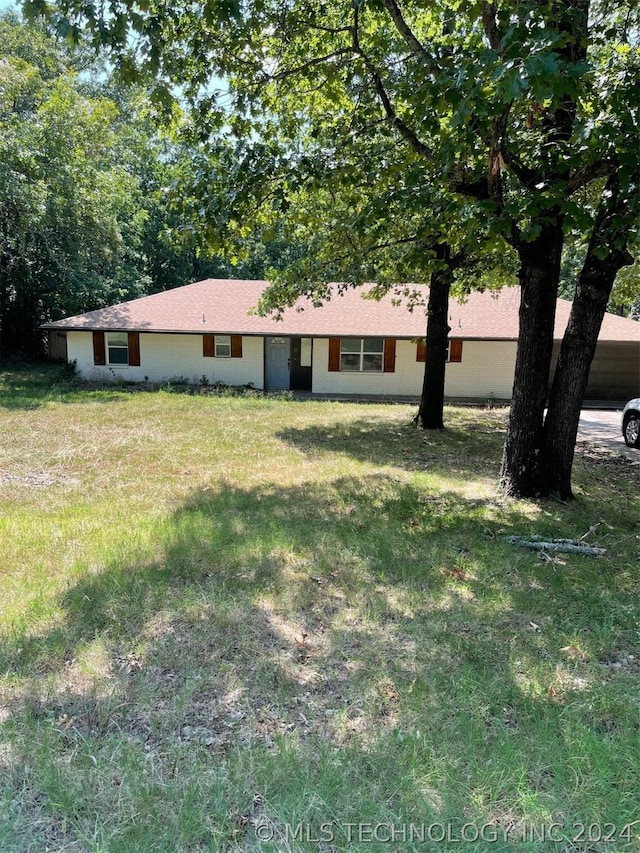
[278,361]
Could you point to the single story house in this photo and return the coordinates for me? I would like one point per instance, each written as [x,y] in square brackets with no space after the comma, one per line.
[351,345]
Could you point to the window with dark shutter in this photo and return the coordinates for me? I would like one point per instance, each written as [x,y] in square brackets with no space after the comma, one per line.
[454,350]
[222,346]
[117,348]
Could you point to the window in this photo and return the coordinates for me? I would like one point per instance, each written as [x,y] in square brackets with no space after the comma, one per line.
[305,352]
[357,355]
[363,354]
[223,346]
[117,348]
[454,350]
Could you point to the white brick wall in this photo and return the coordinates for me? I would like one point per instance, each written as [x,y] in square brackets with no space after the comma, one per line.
[486,371]
[165,357]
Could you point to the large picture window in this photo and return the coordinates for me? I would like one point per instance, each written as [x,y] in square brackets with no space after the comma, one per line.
[361,354]
[117,348]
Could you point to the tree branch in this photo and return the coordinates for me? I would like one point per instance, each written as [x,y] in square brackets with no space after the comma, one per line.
[582,177]
[496,159]
[491,26]
[317,60]
[334,31]
[403,129]
[528,177]
[479,190]
[407,33]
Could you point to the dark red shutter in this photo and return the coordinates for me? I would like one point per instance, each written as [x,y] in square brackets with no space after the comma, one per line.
[208,346]
[389,355]
[455,350]
[133,339]
[421,351]
[99,353]
[334,354]
[236,346]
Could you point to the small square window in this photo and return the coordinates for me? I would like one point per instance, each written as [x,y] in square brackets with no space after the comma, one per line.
[117,348]
[223,346]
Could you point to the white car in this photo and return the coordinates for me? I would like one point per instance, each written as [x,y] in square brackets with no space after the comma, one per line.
[631,423]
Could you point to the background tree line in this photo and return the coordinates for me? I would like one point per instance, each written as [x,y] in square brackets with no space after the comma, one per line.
[87,216]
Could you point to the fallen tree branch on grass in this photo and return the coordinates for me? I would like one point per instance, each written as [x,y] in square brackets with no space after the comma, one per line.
[566,546]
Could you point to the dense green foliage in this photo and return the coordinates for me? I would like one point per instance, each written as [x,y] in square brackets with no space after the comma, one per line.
[357,120]
[70,218]
[292,151]
[88,213]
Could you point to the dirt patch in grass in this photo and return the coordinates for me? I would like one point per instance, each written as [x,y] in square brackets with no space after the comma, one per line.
[37,480]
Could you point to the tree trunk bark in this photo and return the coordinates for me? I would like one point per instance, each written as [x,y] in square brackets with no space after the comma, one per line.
[594,286]
[539,276]
[430,414]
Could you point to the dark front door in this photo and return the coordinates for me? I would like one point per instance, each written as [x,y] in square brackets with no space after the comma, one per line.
[301,364]
[277,358]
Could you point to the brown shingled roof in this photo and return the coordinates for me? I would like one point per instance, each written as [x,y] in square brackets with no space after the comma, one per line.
[222,305]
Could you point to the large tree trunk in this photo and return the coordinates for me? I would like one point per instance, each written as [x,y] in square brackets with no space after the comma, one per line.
[593,289]
[432,400]
[539,261]
[572,372]
[539,276]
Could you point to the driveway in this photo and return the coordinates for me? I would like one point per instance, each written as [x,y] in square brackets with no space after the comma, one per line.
[603,427]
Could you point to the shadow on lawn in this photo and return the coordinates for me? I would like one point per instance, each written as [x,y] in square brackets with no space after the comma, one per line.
[36,385]
[245,542]
[361,616]
[475,448]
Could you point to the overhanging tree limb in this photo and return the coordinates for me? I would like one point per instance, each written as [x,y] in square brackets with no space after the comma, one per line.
[306,66]
[600,169]
[408,35]
[407,133]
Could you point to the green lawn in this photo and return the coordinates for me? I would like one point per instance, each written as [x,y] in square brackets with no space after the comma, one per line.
[256,624]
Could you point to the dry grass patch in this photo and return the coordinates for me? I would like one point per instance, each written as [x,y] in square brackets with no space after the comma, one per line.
[227,613]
